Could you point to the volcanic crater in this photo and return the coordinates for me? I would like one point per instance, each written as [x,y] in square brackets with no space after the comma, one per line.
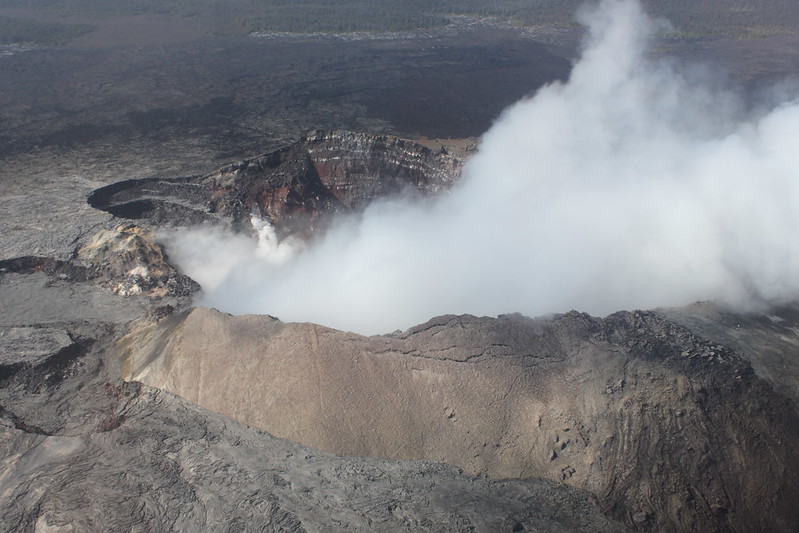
[298,187]
[593,403]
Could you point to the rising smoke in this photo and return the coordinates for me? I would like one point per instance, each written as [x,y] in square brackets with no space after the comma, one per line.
[633,185]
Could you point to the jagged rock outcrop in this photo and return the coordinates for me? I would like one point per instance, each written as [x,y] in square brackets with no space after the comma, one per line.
[670,431]
[767,339]
[130,261]
[125,260]
[296,187]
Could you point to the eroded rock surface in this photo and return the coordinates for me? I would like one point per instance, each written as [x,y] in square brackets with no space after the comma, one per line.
[81,450]
[669,430]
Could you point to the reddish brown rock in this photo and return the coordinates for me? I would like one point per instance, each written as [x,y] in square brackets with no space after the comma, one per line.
[297,187]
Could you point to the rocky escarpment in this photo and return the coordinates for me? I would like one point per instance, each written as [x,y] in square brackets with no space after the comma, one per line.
[296,187]
[670,431]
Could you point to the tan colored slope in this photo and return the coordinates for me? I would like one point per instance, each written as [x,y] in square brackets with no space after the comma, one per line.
[366,396]
[668,430]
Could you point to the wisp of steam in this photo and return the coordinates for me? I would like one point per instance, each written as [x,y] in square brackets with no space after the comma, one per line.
[634,184]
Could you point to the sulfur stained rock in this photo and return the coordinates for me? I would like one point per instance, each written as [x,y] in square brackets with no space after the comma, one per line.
[129,260]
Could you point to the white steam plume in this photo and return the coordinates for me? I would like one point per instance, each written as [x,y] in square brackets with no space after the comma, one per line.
[632,185]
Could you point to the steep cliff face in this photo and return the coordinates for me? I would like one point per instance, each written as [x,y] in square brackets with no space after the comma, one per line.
[358,168]
[325,173]
[297,187]
[670,431]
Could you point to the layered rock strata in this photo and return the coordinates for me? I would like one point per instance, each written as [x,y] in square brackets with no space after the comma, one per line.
[296,187]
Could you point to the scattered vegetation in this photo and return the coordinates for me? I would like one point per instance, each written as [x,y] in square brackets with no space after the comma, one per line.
[692,19]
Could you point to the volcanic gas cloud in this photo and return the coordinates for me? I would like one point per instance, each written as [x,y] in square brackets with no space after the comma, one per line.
[634,184]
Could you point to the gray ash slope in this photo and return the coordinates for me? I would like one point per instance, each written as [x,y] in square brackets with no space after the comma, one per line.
[659,426]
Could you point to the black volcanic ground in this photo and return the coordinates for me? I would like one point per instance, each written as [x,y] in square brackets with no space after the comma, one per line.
[237,94]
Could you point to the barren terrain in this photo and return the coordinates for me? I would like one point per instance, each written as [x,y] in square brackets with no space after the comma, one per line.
[675,420]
